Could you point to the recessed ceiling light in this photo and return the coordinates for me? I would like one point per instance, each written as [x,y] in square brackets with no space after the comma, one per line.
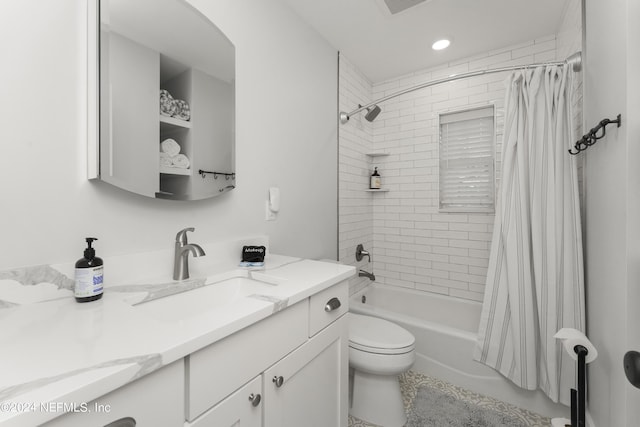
[441,44]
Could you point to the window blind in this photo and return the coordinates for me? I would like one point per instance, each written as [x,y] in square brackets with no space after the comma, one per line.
[467,154]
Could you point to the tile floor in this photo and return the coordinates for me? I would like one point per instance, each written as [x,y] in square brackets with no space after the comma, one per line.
[410,381]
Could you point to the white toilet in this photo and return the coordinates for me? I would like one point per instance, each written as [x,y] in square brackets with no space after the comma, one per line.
[379,351]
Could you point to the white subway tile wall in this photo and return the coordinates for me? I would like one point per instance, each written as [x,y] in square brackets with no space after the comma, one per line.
[412,244]
[355,206]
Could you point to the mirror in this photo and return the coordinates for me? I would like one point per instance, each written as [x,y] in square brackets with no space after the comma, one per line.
[166,100]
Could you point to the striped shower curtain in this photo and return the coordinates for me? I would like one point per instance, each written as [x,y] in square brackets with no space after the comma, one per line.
[535,277]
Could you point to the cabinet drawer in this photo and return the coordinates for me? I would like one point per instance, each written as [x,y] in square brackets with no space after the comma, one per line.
[154,400]
[319,314]
[221,368]
[239,409]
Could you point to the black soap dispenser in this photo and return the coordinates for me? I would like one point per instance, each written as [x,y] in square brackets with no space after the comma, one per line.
[89,275]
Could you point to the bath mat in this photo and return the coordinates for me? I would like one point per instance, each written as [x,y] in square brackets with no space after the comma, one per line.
[434,408]
[412,382]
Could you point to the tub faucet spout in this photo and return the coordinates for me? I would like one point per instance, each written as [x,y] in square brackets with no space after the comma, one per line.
[181,255]
[366,274]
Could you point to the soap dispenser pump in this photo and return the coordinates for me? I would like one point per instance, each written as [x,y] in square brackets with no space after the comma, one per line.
[89,275]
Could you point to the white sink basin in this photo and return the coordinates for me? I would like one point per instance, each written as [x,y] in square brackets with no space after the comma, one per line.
[192,303]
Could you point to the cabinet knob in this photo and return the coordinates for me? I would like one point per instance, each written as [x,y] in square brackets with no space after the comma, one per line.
[255,399]
[332,304]
[278,381]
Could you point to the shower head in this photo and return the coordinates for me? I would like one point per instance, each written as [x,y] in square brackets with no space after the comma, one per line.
[372,113]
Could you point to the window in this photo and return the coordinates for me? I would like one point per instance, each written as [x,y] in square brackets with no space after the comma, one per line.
[467,153]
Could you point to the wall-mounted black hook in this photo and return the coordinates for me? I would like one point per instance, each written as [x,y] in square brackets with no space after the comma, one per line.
[227,176]
[592,137]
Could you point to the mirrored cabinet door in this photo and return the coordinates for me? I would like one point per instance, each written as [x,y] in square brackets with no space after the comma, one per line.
[167,100]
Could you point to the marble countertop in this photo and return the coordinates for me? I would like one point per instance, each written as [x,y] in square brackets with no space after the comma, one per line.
[55,350]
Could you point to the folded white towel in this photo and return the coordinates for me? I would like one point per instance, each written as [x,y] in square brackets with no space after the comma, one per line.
[180,161]
[170,146]
[165,160]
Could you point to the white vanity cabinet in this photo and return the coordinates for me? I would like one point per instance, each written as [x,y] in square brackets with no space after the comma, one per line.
[242,408]
[289,369]
[217,370]
[309,386]
[154,400]
[299,356]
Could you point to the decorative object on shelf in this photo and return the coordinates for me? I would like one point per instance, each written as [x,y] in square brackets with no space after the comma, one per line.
[375,182]
[182,110]
[592,137]
[167,103]
[171,107]
[227,176]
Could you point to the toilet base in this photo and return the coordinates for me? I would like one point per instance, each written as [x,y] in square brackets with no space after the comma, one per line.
[377,399]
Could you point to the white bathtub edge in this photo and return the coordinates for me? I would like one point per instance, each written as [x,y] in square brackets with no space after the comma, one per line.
[493,384]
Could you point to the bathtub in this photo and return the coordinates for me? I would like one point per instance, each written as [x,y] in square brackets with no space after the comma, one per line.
[445,329]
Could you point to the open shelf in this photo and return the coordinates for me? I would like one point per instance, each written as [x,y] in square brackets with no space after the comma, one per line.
[373,155]
[175,122]
[175,171]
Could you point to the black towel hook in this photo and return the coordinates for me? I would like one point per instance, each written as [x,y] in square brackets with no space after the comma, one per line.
[592,136]
[227,176]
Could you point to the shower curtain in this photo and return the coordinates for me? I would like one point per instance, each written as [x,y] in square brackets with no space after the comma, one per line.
[535,279]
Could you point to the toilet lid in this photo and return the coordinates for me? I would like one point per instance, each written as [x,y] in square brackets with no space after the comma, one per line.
[377,335]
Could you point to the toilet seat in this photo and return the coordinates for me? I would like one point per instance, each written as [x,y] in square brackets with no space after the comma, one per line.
[378,336]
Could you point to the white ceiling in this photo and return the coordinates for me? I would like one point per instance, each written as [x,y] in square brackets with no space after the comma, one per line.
[384,46]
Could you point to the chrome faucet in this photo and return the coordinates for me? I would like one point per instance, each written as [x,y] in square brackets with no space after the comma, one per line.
[360,254]
[370,276]
[181,256]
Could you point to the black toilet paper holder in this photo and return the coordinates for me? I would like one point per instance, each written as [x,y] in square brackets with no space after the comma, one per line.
[578,397]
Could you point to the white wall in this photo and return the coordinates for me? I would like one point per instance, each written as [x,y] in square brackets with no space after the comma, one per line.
[355,206]
[286,137]
[569,41]
[612,185]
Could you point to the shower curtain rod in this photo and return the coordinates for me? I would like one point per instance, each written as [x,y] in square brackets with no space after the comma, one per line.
[575,60]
